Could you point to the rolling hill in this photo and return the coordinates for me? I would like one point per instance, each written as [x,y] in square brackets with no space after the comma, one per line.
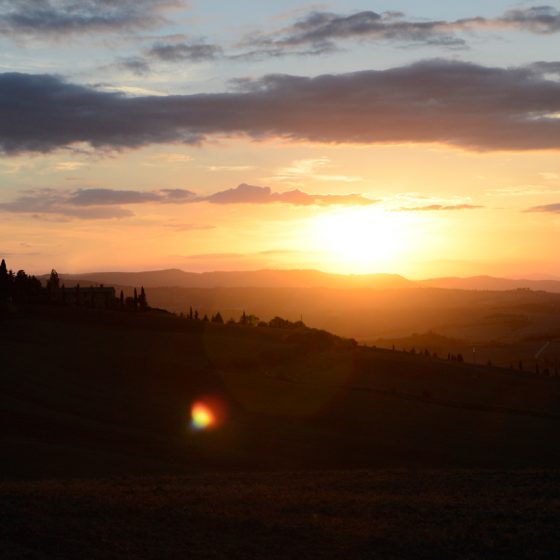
[94,393]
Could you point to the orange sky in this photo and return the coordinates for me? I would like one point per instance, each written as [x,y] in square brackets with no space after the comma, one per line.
[438,160]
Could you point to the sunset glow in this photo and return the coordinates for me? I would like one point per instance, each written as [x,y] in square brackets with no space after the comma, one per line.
[292,138]
[361,240]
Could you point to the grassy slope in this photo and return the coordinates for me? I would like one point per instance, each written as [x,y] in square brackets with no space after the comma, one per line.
[92,394]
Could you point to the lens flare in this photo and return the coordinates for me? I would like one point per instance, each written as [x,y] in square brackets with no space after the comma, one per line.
[202,416]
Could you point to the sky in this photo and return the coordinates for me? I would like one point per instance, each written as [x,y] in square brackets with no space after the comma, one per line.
[417,138]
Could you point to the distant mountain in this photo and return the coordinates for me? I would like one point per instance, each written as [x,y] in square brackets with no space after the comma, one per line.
[491,283]
[175,278]
[241,279]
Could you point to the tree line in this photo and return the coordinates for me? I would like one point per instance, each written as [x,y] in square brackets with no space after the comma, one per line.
[21,288]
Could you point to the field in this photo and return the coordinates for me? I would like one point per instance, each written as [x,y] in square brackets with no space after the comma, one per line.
[329,514]
[326,449]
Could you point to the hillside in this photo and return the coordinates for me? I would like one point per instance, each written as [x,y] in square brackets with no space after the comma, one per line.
[91,392]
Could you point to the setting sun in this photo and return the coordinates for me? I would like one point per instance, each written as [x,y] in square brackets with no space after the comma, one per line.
[362,240]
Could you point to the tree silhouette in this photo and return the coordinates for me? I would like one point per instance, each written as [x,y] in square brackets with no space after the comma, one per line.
[218,319]
[142,301]
[5,282]
[53,282]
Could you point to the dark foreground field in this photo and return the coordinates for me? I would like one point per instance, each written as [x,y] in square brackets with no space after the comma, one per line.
[338,514]
[326,449]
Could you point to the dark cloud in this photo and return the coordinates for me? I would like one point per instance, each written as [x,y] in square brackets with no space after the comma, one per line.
[449,102]
[179,52]
[438,207]
[251,194]
[546,68]
[319,32]
[36,18]
[546,208]
[90,204]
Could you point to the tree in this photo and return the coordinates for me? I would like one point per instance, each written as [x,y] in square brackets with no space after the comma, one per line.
[53,282]
[142,301]
[5,281]
[218,319]
[135,300]
[121,301]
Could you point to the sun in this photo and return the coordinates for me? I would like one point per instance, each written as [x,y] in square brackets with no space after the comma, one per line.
[361,240]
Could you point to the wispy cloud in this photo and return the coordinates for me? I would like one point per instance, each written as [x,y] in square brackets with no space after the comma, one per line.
[179,52]
[438,207]
[312,169]
[135,64]
[450,102]
[319,32]
[546,208]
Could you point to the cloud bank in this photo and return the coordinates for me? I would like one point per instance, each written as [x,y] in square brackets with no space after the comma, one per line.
[93,204]
[437,101]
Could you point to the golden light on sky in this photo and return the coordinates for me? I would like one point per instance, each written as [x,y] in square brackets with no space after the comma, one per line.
[361,240]
[268,146]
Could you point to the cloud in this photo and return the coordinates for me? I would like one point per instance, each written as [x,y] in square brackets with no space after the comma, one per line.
[438,207]
[546,208]
[537,19]
[179,52]
[310,169]
[436,101]
[48,202]
[107,197]
[51,18]
[135,64]
[319,32]
[251,194]
[88,204]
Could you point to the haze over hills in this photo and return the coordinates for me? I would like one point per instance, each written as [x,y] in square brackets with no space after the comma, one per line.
[270,278]
[492,283]
[507,320]
[243,279]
